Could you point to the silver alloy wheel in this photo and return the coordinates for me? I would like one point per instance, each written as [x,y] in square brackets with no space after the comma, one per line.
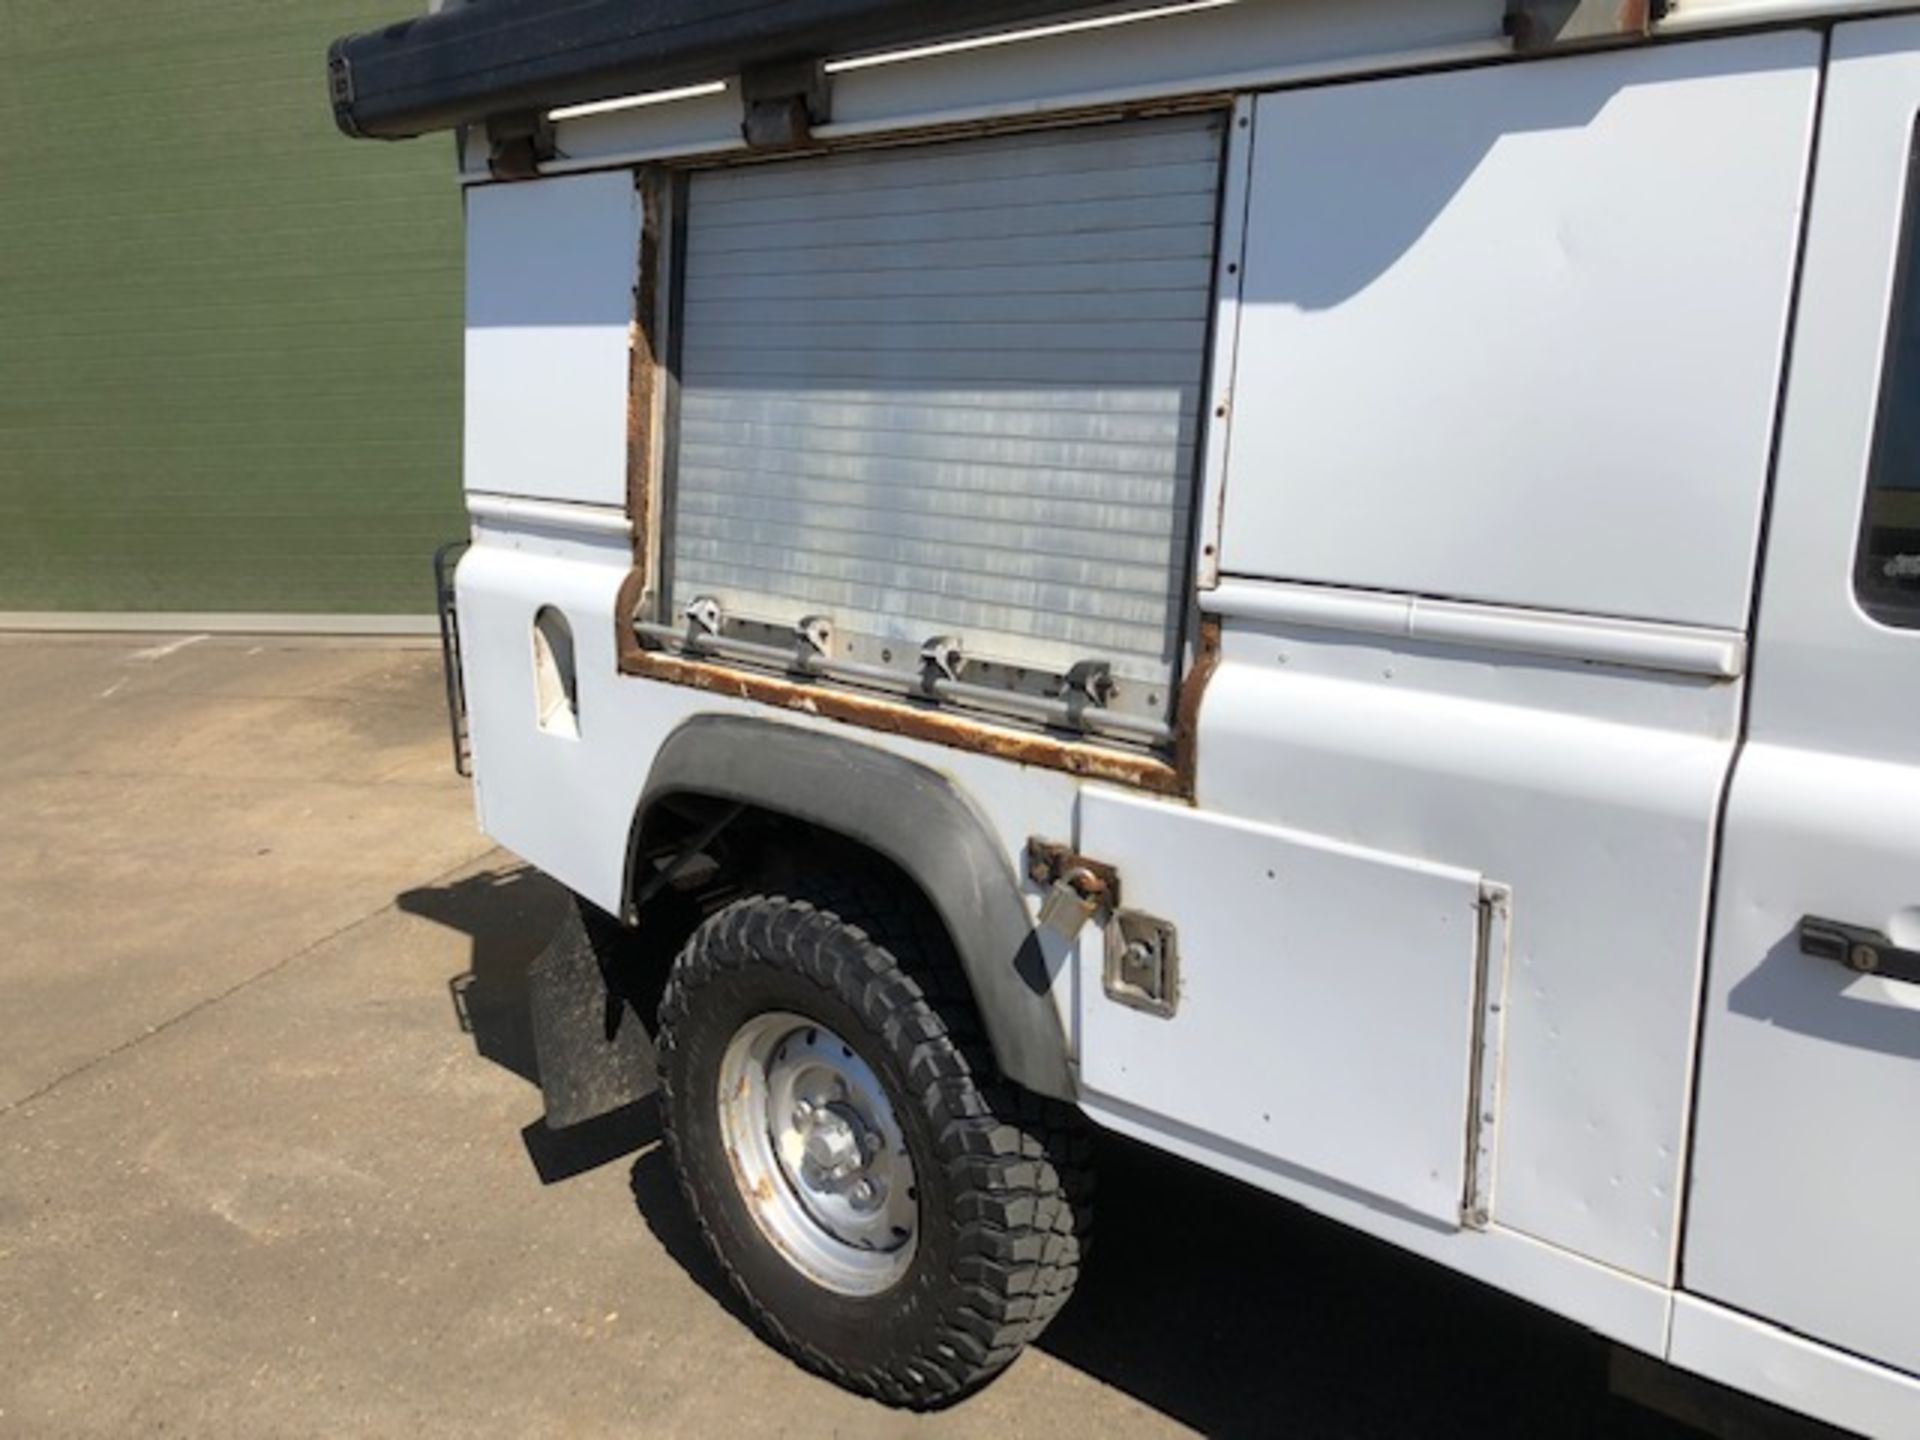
[819,1158]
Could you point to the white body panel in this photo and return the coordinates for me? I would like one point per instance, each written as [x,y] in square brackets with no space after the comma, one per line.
[1807,1150]
[1790,1370]
[550,277]
[1531,270]
[1590,790]
[1286,940]
[1499,349]
[1605,1300]
[1591,794]
[565,805]
[1810,1088]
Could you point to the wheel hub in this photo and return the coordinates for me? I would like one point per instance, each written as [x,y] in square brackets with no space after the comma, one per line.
[818,1154]
[828,1142]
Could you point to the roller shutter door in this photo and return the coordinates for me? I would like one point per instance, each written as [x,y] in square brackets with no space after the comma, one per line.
[952,389]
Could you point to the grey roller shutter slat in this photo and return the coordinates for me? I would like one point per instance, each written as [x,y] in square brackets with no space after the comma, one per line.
[952,388]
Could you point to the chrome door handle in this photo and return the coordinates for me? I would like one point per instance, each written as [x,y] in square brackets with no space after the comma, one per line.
[1867,952]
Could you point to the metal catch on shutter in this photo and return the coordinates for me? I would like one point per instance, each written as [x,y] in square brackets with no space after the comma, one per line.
[1077,699]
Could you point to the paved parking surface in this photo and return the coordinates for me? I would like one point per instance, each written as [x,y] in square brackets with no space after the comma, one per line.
[271,1163]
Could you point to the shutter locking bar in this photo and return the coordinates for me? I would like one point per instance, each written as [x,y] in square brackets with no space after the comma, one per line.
[702,637]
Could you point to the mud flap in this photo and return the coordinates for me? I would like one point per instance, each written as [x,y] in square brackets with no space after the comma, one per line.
[594,1053]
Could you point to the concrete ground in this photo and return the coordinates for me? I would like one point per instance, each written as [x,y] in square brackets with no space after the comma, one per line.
[271,1161]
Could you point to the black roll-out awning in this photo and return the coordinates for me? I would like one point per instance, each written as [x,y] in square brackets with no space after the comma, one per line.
[493,57]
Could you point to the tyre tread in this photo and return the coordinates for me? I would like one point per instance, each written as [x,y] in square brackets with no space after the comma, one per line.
[1017,1164]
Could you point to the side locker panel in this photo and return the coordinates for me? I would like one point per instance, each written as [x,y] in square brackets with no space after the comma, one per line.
[1338,1041]
[551,266]
[1513,335]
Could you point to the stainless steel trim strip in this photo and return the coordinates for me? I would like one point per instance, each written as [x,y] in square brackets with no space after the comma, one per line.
[1599,640]
[550,514]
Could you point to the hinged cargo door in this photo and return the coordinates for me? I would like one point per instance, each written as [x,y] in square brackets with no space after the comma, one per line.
[951,389]
[1324,1016]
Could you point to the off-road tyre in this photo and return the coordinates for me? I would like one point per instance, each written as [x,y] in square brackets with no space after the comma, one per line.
[1003,1177]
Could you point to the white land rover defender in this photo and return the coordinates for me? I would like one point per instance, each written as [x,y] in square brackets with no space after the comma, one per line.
[1333,585]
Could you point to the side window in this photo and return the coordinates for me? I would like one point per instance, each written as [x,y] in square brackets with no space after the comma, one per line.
[1886,574]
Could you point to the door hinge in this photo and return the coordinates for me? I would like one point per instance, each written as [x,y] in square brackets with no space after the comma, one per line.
[1493,945]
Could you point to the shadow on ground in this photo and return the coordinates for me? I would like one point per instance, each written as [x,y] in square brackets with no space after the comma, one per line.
[1238,1314]
[1222,1308]
[509,915]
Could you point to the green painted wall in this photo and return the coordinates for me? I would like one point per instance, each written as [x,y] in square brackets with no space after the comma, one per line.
[229,337]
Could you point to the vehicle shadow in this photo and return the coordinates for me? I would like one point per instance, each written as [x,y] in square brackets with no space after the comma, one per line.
[509,915]
[1222,1308]
[1238,1314]
[664,1211]
[1235,1314]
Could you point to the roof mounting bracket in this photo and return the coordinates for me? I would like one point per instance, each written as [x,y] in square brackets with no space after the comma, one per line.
[1537,25]
[781,102]
[517,143]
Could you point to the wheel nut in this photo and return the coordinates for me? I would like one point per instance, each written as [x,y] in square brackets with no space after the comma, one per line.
[863,1192]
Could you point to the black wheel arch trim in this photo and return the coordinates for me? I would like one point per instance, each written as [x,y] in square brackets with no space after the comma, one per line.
[916,818]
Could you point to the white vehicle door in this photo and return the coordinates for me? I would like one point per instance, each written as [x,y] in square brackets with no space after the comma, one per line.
[1806,1170]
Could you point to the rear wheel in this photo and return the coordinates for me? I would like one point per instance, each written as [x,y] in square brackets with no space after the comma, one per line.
[894,1215]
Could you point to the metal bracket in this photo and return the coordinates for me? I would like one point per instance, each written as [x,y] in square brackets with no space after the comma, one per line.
[816,634]
[518,143]
[946,674]
[940,659]
[1087,683]
[1051,863]
[705,616]
[781,103]
[681,863]
[1537,25]
[445,559]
